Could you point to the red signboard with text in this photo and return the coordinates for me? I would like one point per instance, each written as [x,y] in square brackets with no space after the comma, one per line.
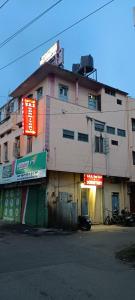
[29,116]
[93,179]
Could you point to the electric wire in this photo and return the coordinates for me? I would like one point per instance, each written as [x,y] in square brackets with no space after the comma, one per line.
[75,113]
[56,35]
[4,4]
[28,24]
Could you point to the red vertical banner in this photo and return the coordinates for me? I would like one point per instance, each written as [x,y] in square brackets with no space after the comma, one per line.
[29,116]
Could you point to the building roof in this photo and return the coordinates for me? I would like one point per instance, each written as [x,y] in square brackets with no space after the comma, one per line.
[49,69]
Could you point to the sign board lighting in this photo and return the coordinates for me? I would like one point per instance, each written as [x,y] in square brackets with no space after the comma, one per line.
[93,179]
[29,116]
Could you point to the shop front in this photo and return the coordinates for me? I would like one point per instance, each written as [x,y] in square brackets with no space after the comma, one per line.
[23,190]
[91,197]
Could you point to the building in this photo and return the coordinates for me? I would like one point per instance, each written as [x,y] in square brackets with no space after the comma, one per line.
[83,127]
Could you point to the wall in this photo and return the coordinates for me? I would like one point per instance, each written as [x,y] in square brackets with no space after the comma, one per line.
[77,156]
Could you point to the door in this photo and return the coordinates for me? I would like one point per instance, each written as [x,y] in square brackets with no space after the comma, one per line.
[36,213]
[84,202]
[115,201]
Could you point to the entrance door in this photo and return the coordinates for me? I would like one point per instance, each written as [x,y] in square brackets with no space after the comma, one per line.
[84,202]
[36,210]
[115,201]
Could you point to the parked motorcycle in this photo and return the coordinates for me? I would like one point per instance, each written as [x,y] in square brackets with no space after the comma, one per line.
[84,223]
[127,218]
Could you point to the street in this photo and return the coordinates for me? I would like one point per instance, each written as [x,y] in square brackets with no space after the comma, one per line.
[78,266]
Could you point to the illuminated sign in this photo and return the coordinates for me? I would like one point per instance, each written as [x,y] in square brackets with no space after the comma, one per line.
[29,116]
[54,55]
[93,179]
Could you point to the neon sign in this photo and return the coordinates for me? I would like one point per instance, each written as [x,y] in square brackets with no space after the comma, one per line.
[93,179]
[29,116]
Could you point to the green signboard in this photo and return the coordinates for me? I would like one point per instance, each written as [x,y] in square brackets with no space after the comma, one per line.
[26,168]
[31,167]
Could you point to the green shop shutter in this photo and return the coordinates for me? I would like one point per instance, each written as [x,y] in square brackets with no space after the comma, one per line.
[36,211]
[12,205]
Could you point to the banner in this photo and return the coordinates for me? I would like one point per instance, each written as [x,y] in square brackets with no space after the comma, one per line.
[26,168]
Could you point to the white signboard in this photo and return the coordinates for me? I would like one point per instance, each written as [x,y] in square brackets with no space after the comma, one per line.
[54,55]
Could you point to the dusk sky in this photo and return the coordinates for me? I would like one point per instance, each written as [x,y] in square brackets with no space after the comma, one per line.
[108,35]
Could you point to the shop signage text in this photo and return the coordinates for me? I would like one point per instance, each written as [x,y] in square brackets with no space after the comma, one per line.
[93,179]
[29,116]
[26,168]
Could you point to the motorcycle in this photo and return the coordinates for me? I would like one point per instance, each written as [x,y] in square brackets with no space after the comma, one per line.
[127,218]
[84,223]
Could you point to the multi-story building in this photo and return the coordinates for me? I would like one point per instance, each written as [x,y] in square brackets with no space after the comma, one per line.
[84,127]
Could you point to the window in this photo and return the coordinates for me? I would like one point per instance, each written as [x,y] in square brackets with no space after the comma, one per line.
[68,134]
[12,106]
[0,154]
[99,126]
[83,137]
[29,144]
[63,92]
[109,92]
[113,142]
[30,96]
[133,124]
[5,151]
[99,144]
[110,130]
[16,147]
[39,93]
[94,102]
[133,155]
[121,132]
[119,101]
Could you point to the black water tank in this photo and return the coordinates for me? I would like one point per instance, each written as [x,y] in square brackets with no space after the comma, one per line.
[75,68]
[87,64]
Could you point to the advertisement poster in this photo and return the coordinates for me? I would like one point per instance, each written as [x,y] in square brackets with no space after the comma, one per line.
[26,168]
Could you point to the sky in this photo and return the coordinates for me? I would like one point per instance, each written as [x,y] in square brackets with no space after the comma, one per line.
[108,35]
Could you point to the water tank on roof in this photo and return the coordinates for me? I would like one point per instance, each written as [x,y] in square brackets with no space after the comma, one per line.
[86,64]
[75,68]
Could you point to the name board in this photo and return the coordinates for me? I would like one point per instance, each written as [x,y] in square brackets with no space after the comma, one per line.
[29,116]
[55,55]
[93,179]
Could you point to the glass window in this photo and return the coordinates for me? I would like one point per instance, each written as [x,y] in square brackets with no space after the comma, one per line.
[133,124]
[119,101]
[29,144]
[99,144]
[94,102]
[5,151]
[39,93]
[63,92]
[109,92]
[133,155]
[68,134]
[113,142]
[99,126]
[121,132]
[83,137]
[16,149]
[110,130]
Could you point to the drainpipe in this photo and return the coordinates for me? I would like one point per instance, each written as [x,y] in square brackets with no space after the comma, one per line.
[76,92]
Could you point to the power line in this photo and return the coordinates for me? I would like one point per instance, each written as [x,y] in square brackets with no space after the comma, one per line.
[56,35]
[77,113]
[28,24]
[4,3]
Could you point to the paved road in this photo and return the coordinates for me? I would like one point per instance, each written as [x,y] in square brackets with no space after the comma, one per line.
[78,266]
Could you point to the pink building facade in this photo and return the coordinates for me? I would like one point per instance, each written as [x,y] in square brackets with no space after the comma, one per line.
[85,127]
